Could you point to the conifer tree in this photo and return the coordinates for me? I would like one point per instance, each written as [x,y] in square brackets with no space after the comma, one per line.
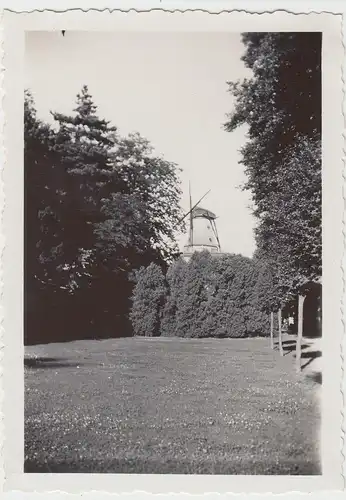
[85,144]
[148,301]
[193,295]
[214,297]
[174,277]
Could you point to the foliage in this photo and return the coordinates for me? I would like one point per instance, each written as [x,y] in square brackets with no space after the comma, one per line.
[148,300]
[283,98]
[42,197]
[174,278]
[193,295]
[142,217]
[290,231]
[100,206]
[84,143]
[281,106]
[257,316]
[214,297]
[265,286]
[44,252]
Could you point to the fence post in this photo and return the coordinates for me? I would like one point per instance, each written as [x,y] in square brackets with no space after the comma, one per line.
[272,329]
[280,331]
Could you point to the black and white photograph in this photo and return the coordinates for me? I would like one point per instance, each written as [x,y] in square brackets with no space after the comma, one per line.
[173,232]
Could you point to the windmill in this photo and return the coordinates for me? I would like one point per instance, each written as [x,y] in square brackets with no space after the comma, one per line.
[203,233]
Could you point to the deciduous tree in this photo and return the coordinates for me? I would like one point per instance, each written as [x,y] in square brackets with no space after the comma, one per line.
[281,106]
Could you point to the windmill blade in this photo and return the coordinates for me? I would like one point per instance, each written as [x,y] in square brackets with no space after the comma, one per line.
[190,198]
[213,225]
[217,236]
[191,218]
[195,205]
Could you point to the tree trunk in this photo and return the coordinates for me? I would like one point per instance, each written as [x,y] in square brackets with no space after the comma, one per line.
[280,332]
[319,317]
[272,330]
[301,299]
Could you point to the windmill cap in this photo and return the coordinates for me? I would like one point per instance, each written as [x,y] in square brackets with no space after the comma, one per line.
[202,212]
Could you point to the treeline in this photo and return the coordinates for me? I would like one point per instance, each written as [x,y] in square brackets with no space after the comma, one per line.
[281,107]
[206,297]
[98,206]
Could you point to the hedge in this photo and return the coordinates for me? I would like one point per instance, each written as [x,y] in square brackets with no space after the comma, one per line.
[207,297]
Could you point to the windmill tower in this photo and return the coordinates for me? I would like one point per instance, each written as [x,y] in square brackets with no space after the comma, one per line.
[203,233]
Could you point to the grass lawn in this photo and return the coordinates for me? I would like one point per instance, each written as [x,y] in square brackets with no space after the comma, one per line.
[228,406]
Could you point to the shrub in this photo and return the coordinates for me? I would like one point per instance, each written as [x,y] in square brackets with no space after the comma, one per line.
[217,297]
[148,300]
[174,277]
[207,297]
[193,295]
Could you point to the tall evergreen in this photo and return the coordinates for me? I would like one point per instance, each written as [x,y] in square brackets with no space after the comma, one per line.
[85,144]
[175,278]
[193,295]
[148,301]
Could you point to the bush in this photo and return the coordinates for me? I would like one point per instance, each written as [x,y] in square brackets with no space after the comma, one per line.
[216,297]
[148,301]
[207,297]
[174,277]
[193,295]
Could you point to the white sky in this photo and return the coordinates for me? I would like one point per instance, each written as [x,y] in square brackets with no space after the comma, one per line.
[170,87]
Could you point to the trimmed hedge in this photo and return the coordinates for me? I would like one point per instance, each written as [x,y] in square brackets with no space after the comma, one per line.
[218,298]
[148,299]
[174,278]
[206,297]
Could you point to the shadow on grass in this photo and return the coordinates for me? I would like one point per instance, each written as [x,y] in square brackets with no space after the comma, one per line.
[310,356]
[289,342]
[315,377]
[48,363]
[290,346]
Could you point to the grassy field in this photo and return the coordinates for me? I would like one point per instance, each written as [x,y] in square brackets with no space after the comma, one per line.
[229,406]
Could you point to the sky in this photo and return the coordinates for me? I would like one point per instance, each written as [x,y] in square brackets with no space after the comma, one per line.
[171,88]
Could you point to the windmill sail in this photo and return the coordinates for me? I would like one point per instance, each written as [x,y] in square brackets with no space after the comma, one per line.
[191,218]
